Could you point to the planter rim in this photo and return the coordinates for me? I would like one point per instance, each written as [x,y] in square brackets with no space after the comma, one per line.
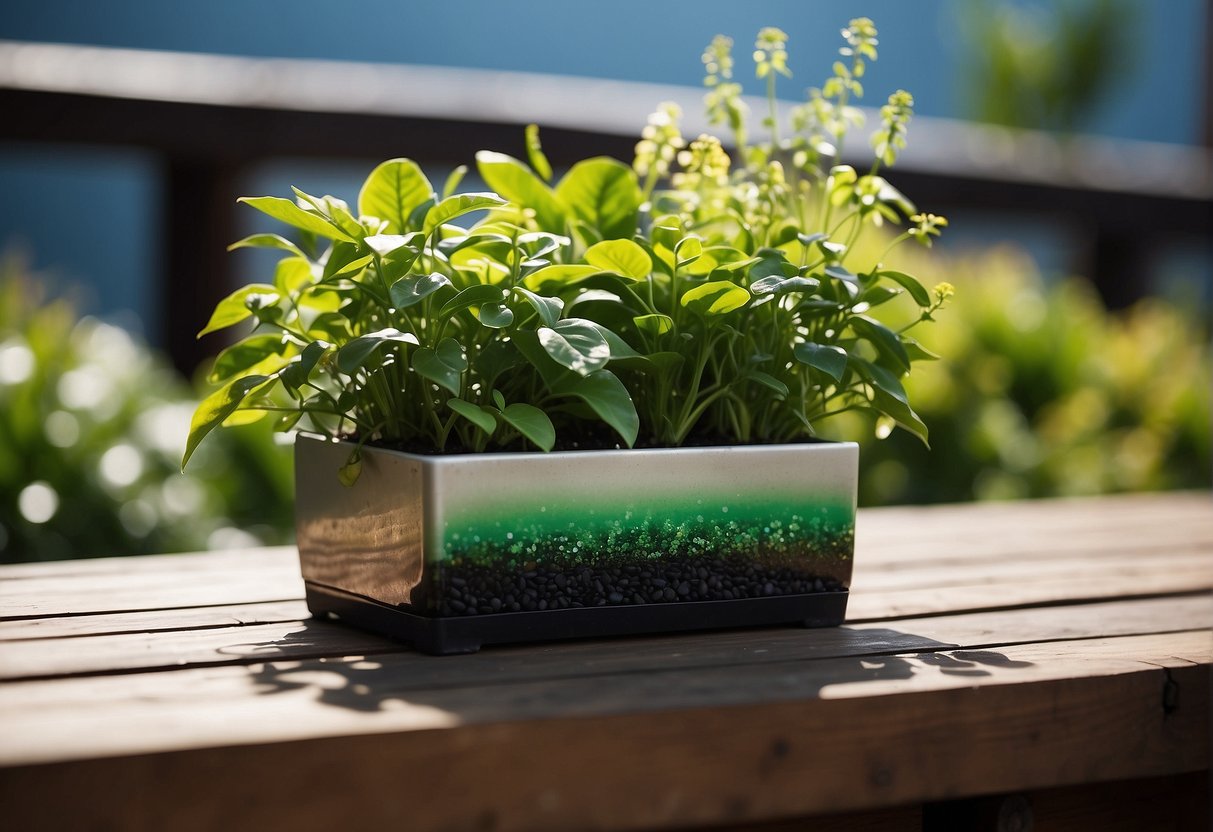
[630,453]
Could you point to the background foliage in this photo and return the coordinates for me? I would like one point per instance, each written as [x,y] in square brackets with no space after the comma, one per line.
[91,427]
[1042,392]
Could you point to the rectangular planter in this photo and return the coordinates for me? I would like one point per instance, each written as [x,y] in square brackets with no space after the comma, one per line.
[452,552]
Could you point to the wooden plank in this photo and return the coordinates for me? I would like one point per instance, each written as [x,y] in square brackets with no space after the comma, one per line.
[272,702]
[279,641]
[655,749]
[893,604]
[153,621]
[268,575]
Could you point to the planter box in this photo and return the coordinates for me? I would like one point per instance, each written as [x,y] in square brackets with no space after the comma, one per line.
[452,552]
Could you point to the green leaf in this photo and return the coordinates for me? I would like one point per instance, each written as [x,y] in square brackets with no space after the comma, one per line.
[603,193]
[267,241]
[348,473]
[716,297]
[291,214]
[532,423]
[886,342]
[453,180]
[458,205]
[577,344]
[776,285]
[769,381]
[385,244]
[890,398]
[622,257]
[562,275]
[830,359]
[412,289]
[353,355]
[608,398]
[240,305]
[444,366]
[295,374]
[356,265]
[474,414]
[515,181]
[392,192]
[264,353]
[216,407]
[688,250]
[916,351]
[475,295]
[534,153]
[549,309]
[654,324]
[916,289]
[496,315]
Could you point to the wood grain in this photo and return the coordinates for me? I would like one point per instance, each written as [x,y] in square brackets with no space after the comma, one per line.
[991,648]
[692,747]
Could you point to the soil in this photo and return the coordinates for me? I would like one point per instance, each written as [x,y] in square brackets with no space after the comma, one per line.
[472,589]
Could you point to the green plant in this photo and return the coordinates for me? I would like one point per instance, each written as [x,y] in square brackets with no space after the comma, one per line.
[1048,394]
[682,299]
[90,429]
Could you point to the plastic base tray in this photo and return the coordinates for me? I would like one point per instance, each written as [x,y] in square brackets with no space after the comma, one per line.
[466,634]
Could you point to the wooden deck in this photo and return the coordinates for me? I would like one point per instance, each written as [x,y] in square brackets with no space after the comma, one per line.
[1049,658]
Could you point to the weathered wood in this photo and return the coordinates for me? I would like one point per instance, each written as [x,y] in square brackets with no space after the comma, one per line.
[153,621]
[280,641]
[627,751]
[1028,666]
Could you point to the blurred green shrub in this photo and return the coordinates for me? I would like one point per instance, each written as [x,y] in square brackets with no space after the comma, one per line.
[1045,66]
[1041,392]
[91,429]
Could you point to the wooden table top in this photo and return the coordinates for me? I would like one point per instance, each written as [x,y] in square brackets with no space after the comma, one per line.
[989,648]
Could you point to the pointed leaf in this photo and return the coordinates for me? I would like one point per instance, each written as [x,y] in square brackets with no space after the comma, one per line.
[515,181]
[474,295]
[216,407]
[456,206]
[412,289]
[256,354]
[577,344]
[716,297]
[267,241]
[911,285]
[622,257]
[534,153]
[549,309]
[886,342]
[562,275]
[603,193]
[240,305]
[291,214]
[392,192]
[354,355]
[532,423]
[830,359]
[608,398]
[474,414]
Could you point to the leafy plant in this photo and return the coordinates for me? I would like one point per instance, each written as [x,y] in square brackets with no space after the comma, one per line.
[682,299]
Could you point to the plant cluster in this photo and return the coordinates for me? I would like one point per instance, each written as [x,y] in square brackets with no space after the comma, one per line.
[690,297]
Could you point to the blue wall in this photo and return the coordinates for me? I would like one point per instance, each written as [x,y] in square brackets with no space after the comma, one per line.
[626,39]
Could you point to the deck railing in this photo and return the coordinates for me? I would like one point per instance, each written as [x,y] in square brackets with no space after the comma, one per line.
[209,117]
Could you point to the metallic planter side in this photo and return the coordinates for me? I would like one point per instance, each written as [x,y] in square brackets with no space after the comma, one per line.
[450,552]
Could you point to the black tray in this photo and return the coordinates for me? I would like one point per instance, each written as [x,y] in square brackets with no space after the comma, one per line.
[443,636]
